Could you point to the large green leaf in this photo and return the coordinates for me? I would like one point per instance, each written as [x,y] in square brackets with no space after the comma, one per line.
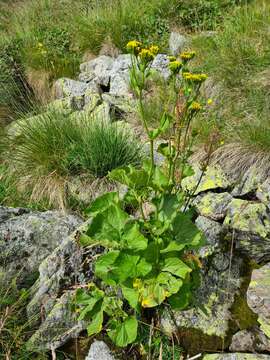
[167,207]
[125,266]
[166,150]
[173,246]
[171,283]
[160,180]
[96,324]
[124,333]
[102,203]
[133,238]
[109,224]
[176,267]
[105,265]
[131,295]
[130,176]
[143,268]
[181,300]
[186,232]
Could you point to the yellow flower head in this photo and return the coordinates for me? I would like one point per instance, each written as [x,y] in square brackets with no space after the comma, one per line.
[195,106]
[197,78]
[171,58]
[187,55]
[175,66]
[134,47]
[154,49]
[137,283]
[146,56]
[209,101]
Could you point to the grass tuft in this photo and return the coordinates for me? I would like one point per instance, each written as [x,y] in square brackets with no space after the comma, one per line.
[50,148]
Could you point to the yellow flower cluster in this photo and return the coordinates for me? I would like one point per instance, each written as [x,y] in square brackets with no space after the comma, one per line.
[175,66]
[197,78]
[146,55]
[134,47]
[195,106]
[187,55]
[154,49]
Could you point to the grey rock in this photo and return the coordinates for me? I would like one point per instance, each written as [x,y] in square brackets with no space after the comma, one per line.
[120,84]
[52,293]
[212,178]
[252,340]
[258,297]
[59,270]
[99,351]
[213,205]
[27,238]
[160,64]
[119,76]
[58,327]
[212,231]
[7,213]
[247,184]
[249,224]
[67,87]
[121,105]
[236,356]
[177,42]
[122,63]
[97,70]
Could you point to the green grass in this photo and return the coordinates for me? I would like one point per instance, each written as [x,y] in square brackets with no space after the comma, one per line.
[14,328]
[50,148]
[48,38]
[238,59]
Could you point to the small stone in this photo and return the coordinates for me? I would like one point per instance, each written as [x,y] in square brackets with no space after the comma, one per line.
[177,43]
[99,351]
[258,297]
[252,340]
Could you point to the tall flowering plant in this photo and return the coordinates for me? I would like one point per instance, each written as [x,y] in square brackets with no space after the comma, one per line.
[151,259]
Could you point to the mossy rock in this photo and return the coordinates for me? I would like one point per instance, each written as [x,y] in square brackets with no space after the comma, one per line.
[213,178]
[249,225]
[258,297]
